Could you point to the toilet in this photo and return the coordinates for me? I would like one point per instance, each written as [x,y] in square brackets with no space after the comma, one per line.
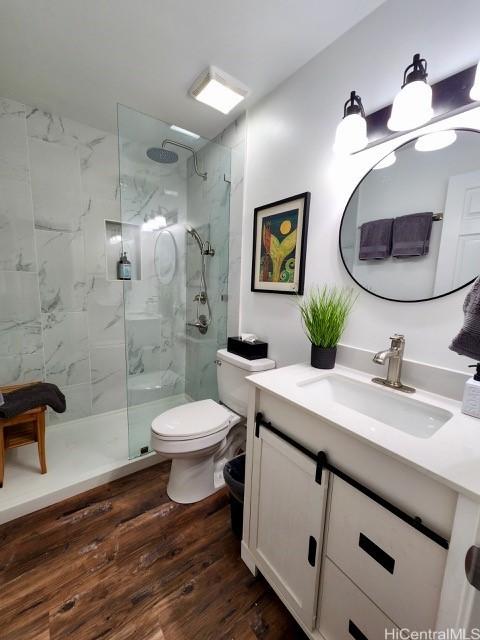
[194,434]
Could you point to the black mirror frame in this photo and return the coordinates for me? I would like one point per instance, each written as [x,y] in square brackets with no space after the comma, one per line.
[377,295]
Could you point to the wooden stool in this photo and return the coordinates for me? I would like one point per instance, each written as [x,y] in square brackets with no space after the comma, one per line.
[26,428]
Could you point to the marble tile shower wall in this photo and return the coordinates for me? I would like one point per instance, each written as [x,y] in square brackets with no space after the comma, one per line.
[216,210]
[60,319]
[235,138]
[209,211]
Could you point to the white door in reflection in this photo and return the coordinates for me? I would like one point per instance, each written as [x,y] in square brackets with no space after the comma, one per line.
[460,243]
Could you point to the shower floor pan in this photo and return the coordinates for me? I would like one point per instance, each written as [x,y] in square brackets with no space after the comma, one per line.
[81,454]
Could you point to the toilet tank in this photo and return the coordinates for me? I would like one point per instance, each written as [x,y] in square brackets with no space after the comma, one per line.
[231,373]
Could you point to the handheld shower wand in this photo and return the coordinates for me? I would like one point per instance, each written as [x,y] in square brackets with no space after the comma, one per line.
[202,323]
[204,246]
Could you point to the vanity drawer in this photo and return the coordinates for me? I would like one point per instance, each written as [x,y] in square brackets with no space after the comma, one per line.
[345,613]
[398,567]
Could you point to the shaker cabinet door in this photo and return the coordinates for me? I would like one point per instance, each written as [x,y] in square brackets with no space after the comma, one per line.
[288,509]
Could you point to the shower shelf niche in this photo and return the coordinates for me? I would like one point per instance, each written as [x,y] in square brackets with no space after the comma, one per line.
[122,236]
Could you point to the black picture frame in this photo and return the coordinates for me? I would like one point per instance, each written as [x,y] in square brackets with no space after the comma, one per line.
[295,288]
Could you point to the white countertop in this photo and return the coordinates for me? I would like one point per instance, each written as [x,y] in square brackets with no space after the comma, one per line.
[451,455]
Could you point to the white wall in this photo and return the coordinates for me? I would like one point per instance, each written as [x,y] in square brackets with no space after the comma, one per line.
[289,150]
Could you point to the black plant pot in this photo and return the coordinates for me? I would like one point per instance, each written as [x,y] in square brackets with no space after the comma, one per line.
[323,358]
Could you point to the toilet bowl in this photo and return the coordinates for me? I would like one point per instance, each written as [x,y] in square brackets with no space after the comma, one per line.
[191,435]
[194,435]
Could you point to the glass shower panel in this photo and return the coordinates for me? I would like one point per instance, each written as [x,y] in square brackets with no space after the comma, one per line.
[208,204]
[171,335]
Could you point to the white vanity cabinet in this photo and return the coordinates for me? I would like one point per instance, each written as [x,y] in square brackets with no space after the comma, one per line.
[287,512]
[353,549]
[400,568]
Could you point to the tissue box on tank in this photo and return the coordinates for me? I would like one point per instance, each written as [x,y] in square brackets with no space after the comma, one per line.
[249,350]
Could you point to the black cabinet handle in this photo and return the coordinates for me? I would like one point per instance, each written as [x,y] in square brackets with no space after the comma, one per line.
[312,551]
[355,632]
[376,553]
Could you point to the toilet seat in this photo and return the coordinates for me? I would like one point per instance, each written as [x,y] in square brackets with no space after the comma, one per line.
[192,421]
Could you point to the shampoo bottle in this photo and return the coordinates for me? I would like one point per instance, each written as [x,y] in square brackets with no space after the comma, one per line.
[124,267]
[471,395]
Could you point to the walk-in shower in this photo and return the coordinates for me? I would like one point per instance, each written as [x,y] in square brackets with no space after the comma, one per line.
[121,351]
[175,321]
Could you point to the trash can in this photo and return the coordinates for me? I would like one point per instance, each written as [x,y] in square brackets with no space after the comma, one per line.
[234,474]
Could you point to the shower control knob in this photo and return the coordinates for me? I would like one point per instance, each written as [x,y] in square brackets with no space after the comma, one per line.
[218,363]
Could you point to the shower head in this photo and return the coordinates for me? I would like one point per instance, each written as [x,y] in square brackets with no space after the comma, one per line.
[161,155]
[165,156]
[194,233]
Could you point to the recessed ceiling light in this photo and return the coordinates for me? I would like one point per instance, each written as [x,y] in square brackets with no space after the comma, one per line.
[186,132]
[218,89]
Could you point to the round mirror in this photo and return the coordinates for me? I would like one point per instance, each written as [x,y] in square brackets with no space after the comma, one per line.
[411,229]
[165,257]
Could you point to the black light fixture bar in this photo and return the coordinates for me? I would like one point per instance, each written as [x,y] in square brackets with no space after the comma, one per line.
[449,97]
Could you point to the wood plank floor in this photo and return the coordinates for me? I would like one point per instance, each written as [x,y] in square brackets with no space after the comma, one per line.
[124,562]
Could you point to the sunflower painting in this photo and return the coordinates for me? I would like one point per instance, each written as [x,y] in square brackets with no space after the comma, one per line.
[279,245]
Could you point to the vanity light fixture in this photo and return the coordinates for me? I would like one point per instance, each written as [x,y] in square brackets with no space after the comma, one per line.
[436,140]
[412,105]
[386,162]
[218,89]
[186,132]
[475,90]
[351,134]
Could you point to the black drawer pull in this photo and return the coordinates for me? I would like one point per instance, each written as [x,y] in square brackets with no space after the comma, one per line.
[376,553]
[312,551]
[355,632]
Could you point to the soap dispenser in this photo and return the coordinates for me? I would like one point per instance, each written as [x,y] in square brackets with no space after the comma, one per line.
[124,267]
[471,395]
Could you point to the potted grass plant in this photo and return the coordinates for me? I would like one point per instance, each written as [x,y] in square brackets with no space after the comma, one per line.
[324,313]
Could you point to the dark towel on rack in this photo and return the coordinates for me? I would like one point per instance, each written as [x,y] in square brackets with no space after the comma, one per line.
[35,395]
[411,235]
[467,342]
[376,239]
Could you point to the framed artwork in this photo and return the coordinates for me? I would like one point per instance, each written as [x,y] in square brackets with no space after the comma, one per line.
[280,245]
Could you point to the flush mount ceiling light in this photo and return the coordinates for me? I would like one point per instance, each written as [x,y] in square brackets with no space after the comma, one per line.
[186,132]
[351,132]
[475,90]
[435,140]
[412,106]
[386,162]
[218,89]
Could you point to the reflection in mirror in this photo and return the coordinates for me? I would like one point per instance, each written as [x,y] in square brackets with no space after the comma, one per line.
[411,229]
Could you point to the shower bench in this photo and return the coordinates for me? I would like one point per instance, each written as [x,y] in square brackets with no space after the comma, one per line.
[26,428]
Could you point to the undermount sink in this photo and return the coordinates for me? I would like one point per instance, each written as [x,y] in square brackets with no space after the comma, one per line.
[411,416]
